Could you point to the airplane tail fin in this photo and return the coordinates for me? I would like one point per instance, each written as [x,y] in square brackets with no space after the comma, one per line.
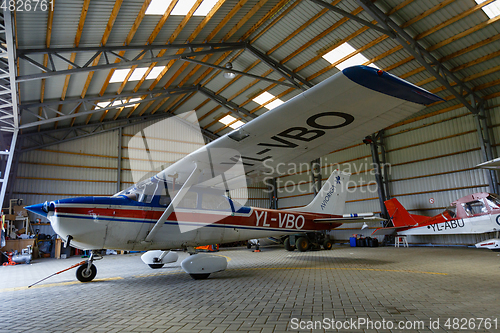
[400,216]
[331,198]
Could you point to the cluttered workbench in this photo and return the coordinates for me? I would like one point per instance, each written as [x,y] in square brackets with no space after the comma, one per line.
[19,234]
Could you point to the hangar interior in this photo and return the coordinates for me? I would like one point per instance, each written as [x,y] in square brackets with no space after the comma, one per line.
[89,75]
[85,86]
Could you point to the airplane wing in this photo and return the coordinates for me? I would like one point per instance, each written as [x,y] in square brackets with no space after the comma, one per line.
[337,112]
[493,164]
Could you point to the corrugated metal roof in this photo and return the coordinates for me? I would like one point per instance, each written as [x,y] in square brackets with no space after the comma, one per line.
[32,33]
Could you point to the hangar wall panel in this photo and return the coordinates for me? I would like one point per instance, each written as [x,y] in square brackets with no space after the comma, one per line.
[83,167]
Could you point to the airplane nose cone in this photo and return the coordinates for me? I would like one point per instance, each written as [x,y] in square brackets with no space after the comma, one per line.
[39,209]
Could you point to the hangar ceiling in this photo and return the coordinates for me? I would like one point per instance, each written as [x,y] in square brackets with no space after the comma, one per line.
[83,67]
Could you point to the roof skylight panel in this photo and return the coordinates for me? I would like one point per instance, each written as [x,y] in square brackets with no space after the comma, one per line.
[237,124]
[343,51]
[227,119]
[138,73]
[266,97]
[155,72]
[231,122]
[120,74]
[157,7]
[182,7]
[492,10]
[205,7]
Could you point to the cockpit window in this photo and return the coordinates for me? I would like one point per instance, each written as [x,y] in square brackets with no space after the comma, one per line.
[474,207]
[143,191]
[452,211]
[494,201]
[215,202]
[164,196]
[190,200]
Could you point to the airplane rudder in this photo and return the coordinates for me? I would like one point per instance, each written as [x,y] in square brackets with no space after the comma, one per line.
[400,216]
[333,193]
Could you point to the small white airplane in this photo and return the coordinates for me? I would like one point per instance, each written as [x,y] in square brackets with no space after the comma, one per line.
[476,213]
[155,216]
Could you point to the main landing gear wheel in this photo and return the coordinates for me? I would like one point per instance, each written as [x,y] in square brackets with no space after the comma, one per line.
[199,276]
[302,244]
[327,245]
[155,266]
[288,246]
[86,273]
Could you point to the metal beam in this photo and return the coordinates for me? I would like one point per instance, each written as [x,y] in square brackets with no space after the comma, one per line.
[273,193]
[316,175]
[486,147]
[107,98]
[280,69]
[115,49]
[354,17]
[239,72]
[231,106]
[39,140]
[51,113]
[145,57]
[119,162]
[385,166]
[425,58]
[14,115]
[382,197]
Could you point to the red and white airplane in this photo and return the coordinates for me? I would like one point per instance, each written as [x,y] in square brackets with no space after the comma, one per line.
[473,214]
[156,216]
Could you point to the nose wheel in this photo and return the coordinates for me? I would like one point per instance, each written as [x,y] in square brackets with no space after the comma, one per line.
[88,271]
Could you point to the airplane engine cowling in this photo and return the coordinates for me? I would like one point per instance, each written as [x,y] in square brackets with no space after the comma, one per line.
[151,257]
[201,265]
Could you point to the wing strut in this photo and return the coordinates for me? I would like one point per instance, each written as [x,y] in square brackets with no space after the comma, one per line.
[178,197]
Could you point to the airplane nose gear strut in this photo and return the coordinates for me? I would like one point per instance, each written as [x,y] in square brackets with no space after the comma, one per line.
[88,271]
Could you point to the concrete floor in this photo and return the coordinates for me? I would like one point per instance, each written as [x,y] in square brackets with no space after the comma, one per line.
[271,291]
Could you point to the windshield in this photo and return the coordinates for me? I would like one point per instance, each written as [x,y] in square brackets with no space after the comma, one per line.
[145,190]
[451,211]
[494,201]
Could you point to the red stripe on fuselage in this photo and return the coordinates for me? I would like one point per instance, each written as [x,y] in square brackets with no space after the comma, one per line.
[262,218]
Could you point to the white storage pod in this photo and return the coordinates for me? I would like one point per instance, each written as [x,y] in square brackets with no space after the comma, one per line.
[158,258]
[201,265]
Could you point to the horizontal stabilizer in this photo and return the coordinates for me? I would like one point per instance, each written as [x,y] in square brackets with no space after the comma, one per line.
[349,219]
[388,231]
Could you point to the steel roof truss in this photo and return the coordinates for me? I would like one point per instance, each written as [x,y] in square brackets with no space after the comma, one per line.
[240,72]
[231,106]
[47,138]
[90,105]
[280,69]
[196,50]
